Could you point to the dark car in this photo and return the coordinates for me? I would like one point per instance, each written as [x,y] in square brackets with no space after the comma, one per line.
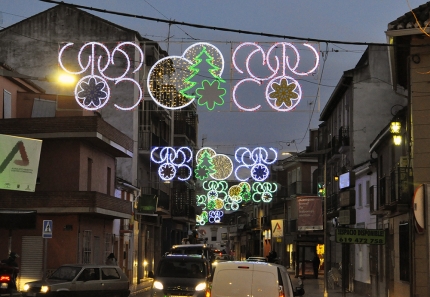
[182,275]
[81,280]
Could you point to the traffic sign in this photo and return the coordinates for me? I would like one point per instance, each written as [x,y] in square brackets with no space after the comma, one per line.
[47,229]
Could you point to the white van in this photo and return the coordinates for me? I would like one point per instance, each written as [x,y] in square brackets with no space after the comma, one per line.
[257,279]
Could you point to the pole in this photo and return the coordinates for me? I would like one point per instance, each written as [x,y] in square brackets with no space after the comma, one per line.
[45,256]
[325,231]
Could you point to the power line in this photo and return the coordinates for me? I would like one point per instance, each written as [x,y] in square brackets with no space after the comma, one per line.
[173,22]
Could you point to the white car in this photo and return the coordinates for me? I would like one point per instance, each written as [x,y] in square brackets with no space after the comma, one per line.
[257,279]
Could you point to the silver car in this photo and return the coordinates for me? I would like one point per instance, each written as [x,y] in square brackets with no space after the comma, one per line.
[81,280]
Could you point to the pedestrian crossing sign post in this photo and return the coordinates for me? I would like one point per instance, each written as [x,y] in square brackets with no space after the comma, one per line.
[47,229]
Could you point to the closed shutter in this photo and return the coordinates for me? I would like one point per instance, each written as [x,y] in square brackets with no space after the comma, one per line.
[31,260]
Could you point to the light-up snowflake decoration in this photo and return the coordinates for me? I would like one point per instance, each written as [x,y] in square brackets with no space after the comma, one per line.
[255,162]
[92,91]
[283,92]
[174,81]
[211,164]
[263,191]
[173,160]
[215,216]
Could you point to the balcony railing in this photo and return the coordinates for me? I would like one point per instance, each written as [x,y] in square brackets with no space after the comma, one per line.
[183,128]
[332,203]
[344,136]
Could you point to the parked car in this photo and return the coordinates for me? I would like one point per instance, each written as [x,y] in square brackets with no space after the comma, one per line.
[257,279]
[81,280]
[182,275]
[256,259]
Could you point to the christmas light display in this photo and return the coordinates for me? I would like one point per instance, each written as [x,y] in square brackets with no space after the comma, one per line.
[211,164]
[214,216]
[202,219]
[263,191]
[171,161]
[255,161]
[282,92]
[173,81]
[92,91]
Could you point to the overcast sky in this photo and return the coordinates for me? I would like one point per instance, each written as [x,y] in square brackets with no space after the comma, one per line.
[328,20]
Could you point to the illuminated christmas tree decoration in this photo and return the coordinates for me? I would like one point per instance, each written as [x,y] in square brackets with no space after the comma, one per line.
[171,161]
[172,80]
[205,166]
[263,191]
[220,165]
[92,92]
[255,161]
[283,93]
[202,219]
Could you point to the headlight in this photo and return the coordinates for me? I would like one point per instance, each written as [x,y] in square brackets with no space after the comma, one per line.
[157,285]
[44,289]
[26,287]
[201,287]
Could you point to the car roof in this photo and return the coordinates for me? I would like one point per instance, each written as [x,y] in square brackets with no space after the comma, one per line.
[202,245]
[245,264]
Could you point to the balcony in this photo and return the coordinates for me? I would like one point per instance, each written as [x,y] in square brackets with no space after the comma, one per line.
[147,140]
[332,205]
[185,130]
[333,155]
[72,202]
[343,140]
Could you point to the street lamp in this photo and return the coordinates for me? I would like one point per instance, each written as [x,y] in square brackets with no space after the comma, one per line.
[395,128]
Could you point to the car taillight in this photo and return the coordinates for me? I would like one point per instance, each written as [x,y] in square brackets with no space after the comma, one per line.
[4,278]
[208,293]
[281,291]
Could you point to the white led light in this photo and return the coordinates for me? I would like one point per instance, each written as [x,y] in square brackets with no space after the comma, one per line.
[171,161]
[255,161]
[93,97]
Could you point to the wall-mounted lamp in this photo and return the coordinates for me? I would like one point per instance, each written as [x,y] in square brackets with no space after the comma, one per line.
[395,128]
[267,235]
[336,178]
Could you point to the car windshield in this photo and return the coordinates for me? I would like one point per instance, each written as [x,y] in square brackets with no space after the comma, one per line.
[66,273]
[181,269]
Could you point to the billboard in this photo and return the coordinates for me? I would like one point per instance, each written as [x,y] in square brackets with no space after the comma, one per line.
[310,216]
[19,162]
[277,228]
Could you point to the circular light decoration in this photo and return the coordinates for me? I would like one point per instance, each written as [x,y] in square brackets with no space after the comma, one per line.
[216,194]
[211,164]
[201,201]
[255,161]
[283,92]
[172,160]
[263,191]
[215,216]
[92,92]
[174,80]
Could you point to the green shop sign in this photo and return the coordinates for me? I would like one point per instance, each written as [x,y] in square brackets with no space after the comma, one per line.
[360,236]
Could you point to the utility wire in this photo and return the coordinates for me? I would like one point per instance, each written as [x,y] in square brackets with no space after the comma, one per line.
[173,22]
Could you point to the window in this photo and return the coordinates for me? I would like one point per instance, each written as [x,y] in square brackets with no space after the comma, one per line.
[367,192]
[86,245]
[404,251]
[110,273]
[213,235]
[108,184]
[7,105]
[89,173]
[360,196]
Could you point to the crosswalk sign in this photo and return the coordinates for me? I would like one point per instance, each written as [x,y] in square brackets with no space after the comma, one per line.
[47,229]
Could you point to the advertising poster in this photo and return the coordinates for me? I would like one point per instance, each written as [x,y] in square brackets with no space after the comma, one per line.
[19,162]
[310,215]
[277,228]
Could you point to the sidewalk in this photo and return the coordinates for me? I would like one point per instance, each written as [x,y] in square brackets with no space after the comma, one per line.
[145,285]
[315,287]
